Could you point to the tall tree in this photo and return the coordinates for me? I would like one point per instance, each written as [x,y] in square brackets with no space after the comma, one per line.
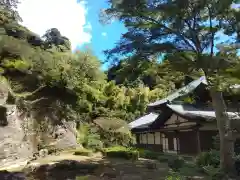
[10,7]
[53,37]
[187,32]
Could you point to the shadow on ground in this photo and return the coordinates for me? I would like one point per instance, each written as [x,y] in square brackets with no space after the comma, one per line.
[104,169]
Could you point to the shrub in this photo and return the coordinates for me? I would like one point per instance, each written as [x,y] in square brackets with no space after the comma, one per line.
[174,176]
[121,152]
[213,172]
[88,137]
[83,152]
[208,158]
[176,163]
[163,159]
[190,169]
[216,142]
[237,164]
[148,154]
[94,143]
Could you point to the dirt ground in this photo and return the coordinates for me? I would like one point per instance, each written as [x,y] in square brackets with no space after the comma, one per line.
[118,169]
[95,168]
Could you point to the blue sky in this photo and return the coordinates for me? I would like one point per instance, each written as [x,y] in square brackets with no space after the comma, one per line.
[103,36]
[78,21]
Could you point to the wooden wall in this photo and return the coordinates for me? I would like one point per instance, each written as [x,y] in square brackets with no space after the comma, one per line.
[178,141]
[151,141]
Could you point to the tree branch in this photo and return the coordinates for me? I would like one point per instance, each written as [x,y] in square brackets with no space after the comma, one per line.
[27,95]
[193,32]
[211,30]
[35,101]
[170,31]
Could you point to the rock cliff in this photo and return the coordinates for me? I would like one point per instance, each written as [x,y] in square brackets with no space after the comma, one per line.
[19,140]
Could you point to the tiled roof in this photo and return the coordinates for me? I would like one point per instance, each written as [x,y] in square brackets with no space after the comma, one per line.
[184,110]
[144,121]
[180,92]
[188,110]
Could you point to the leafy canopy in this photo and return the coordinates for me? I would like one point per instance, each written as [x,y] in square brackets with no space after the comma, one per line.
[186,31]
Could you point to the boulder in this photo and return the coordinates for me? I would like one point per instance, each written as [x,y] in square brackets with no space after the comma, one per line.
[65,136]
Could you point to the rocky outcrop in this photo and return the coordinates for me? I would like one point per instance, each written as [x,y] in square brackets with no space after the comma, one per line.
[14,144]
[18,138]
[66,136]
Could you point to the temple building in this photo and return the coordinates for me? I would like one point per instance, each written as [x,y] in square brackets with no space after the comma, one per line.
[174,126]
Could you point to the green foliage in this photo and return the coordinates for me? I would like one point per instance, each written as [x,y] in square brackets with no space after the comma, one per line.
[149,154]
[121,152]
[190,41]
[134,72]
[213,172]
[176,163]
[88,138]
[174,176]
[237,164]
[82,178]
[211,158]
[216,142]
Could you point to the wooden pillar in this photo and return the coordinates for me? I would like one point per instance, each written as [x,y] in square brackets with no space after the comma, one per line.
[198,140]
[154,141]
[178,143]
[147,137]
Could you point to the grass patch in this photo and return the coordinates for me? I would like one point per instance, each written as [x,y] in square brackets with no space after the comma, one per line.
[83,152]
[149,154]
[188,171]
[121,152]
[82,178]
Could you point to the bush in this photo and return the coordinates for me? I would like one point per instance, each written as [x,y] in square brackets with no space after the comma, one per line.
[174,176]
[216,142]
[213,172]
[82,152]
[121,152]
[237,164]
[208,158]
[163,159]
[148,154]
[89,138]
[176,163]
[94,143]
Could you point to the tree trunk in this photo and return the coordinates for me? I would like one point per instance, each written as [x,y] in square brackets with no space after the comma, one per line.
[225,132]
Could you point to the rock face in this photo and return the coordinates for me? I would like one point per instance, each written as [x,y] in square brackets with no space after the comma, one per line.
[66,135]
[14,145]
[18,141]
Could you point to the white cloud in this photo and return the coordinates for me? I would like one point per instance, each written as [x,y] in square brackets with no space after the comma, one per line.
[68,16]
[104,34]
